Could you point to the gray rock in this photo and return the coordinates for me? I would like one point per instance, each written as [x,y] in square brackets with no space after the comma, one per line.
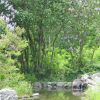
[88,80]
[91,79]
[52,85]
[8,94]
[77,84]
[37,86]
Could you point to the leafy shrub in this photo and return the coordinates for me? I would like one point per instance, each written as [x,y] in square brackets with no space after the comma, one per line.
[12,44]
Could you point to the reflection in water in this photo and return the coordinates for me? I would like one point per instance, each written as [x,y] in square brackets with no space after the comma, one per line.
[58,95]
[77,92]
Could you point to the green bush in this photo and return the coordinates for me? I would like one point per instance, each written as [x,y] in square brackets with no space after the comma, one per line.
[23,88]
[12,44]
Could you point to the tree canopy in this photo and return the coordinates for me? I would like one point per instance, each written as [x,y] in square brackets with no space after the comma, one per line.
[63,37]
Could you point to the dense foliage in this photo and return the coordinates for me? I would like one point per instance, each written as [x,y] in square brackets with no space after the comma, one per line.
[63,38]
[11,46]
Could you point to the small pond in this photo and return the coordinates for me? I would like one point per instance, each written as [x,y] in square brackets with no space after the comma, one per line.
[60,95]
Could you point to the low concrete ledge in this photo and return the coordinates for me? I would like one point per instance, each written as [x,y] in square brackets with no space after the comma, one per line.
[52,85]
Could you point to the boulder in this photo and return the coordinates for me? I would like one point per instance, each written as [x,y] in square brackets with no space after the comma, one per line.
[91,79]
[37,86]
[52,86]
[8,94]
[77,84]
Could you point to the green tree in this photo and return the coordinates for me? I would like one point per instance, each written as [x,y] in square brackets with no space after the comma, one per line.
[11,46]
[71,25]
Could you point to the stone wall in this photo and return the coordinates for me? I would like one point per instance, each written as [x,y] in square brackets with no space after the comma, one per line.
[52,85]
